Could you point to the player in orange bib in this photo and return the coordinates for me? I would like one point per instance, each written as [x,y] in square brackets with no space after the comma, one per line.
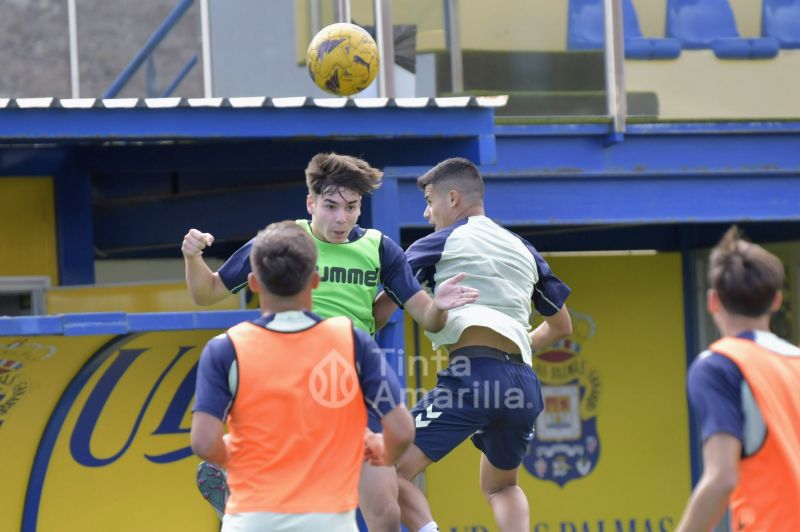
[745,392]
[294,390]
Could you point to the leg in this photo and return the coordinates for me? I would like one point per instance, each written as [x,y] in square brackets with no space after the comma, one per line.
[377,494]
[508,501]
[416,511]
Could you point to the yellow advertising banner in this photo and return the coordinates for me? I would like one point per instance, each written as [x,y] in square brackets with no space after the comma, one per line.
[95,433]
[611,451]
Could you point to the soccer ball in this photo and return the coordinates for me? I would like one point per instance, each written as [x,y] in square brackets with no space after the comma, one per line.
[342,59]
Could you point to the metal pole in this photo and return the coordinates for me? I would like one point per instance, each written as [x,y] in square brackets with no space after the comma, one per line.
[615,60]
[181,75]
[342,10]
[74,66]
[205,36]
[314,20]
[452,28]
[161,32]
[150,77]
[385,34]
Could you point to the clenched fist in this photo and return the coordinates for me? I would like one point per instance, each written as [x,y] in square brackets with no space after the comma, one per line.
[195,242]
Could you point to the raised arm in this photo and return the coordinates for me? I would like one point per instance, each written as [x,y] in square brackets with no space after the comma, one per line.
[205,286]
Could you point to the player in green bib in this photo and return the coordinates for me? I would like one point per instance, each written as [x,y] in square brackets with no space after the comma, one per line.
[352,262]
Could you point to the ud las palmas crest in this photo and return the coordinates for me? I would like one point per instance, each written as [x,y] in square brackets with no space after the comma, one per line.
[566,445]
[14,357]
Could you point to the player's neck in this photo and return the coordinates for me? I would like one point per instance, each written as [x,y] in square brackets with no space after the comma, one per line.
[473,210]
[272,305]
[734,324]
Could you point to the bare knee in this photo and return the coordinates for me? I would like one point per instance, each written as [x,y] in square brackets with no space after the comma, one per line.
[381,510]
[378,498]
[407,473]
[412,463]
[494,489]
[495,481]
[382,514]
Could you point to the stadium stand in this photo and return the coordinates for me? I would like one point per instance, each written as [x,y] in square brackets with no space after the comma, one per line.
[780,19]
[585,32]
[710,24]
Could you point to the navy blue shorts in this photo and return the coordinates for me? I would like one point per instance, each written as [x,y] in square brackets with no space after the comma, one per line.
[480,394]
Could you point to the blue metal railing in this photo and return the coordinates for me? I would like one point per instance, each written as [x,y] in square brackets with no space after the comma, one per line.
[166,26]
[182,74]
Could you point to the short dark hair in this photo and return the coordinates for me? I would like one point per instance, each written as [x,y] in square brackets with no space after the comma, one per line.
[328,172]
[745,275]
[283,257]
[458,173]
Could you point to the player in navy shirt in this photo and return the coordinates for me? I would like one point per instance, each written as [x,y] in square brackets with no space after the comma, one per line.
[744,392]
[489,343]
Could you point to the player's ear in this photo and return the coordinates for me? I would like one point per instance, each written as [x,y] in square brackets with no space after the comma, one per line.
[315,280]
[252,282]
[453,196]
[776,302]
[712,301]
[310,204]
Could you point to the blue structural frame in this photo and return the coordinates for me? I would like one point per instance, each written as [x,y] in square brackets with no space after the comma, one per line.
[97,323]
[180,121]
[670,173]
[664,185]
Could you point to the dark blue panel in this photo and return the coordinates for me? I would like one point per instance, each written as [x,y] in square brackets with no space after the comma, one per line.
[384,207]
[73,198]
[268,155]
[234,215]
[32,161]
[690,324]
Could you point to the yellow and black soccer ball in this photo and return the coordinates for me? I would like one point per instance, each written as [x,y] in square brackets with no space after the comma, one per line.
[342,59]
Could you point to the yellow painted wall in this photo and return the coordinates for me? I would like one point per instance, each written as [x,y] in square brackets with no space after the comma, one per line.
[634,361]
[698,85]
[27,226]
[122,477]
[143,297]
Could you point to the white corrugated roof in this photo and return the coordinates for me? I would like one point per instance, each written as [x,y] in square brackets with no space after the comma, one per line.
[250,102]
